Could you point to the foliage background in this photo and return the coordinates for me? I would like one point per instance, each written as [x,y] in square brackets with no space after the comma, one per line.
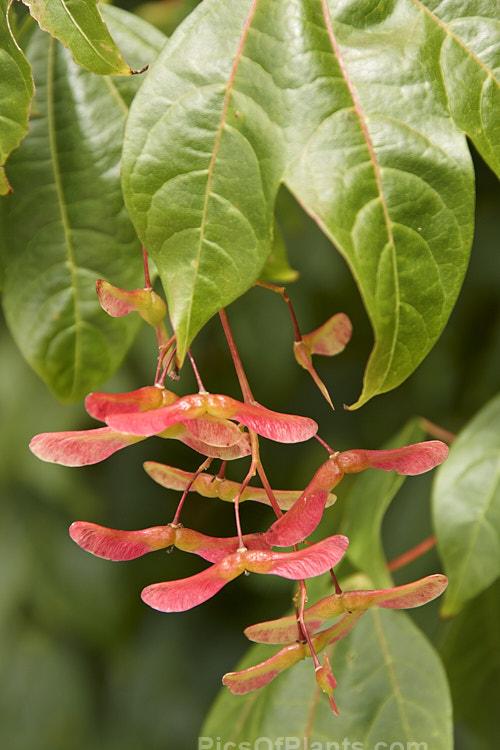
[83,662]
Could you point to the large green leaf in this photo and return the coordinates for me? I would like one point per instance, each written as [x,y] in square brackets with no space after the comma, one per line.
[80,27]
[471,653]
[16,93]
[469,35]
[391,688]
[370,496]
[466,509]
[345,103]
[65,225]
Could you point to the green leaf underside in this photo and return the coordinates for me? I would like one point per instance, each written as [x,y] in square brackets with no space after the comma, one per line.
[346,105]
[391,688]
[370,496]
[79,25]
[16,92]
[65,225]
[466,509]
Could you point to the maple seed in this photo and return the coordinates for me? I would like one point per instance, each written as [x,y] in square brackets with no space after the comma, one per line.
[178,596]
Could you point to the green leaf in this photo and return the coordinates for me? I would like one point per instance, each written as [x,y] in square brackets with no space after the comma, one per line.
[383,170]
[277,267]
[371,494]
[471,654]
[345,104]
[78,24]
[16,93]
[470,64]
[65,226]
[391,688]
[202,160]
[466,509]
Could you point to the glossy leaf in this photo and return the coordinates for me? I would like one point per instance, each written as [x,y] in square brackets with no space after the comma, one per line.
[210,485]
[352,152]
[16,93]
[391,688]
[66,225]
[80,27]
[368,500]
[466,509]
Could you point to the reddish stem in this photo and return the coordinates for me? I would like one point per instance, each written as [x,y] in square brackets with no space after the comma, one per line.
[250,474]
[281,291]
[325,445]
[161,379]
[412,554]
[436,431]
[147,278]
[338,590]
[240,372]
[303,599]
[268,489]
[163,351]
[198,471]
[201,387]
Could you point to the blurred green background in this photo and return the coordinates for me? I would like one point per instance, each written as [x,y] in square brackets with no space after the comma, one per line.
[83,662]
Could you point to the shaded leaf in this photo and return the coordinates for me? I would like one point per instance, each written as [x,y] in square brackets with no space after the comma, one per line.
[466,509]
[277,267]
[66,224]
[367,502]
[80,27]
[16,93]
[470,648]
[391,687]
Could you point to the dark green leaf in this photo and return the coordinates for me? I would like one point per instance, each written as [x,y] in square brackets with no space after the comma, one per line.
[391,688]
[367,503]
[471,653]
[346,105]
[466,509]
[65,226]
[80,27]
[16,93]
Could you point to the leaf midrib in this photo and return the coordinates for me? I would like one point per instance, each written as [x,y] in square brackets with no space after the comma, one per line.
[376,168]
[211,166]
[77,357]
[457,39]
[83,34]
